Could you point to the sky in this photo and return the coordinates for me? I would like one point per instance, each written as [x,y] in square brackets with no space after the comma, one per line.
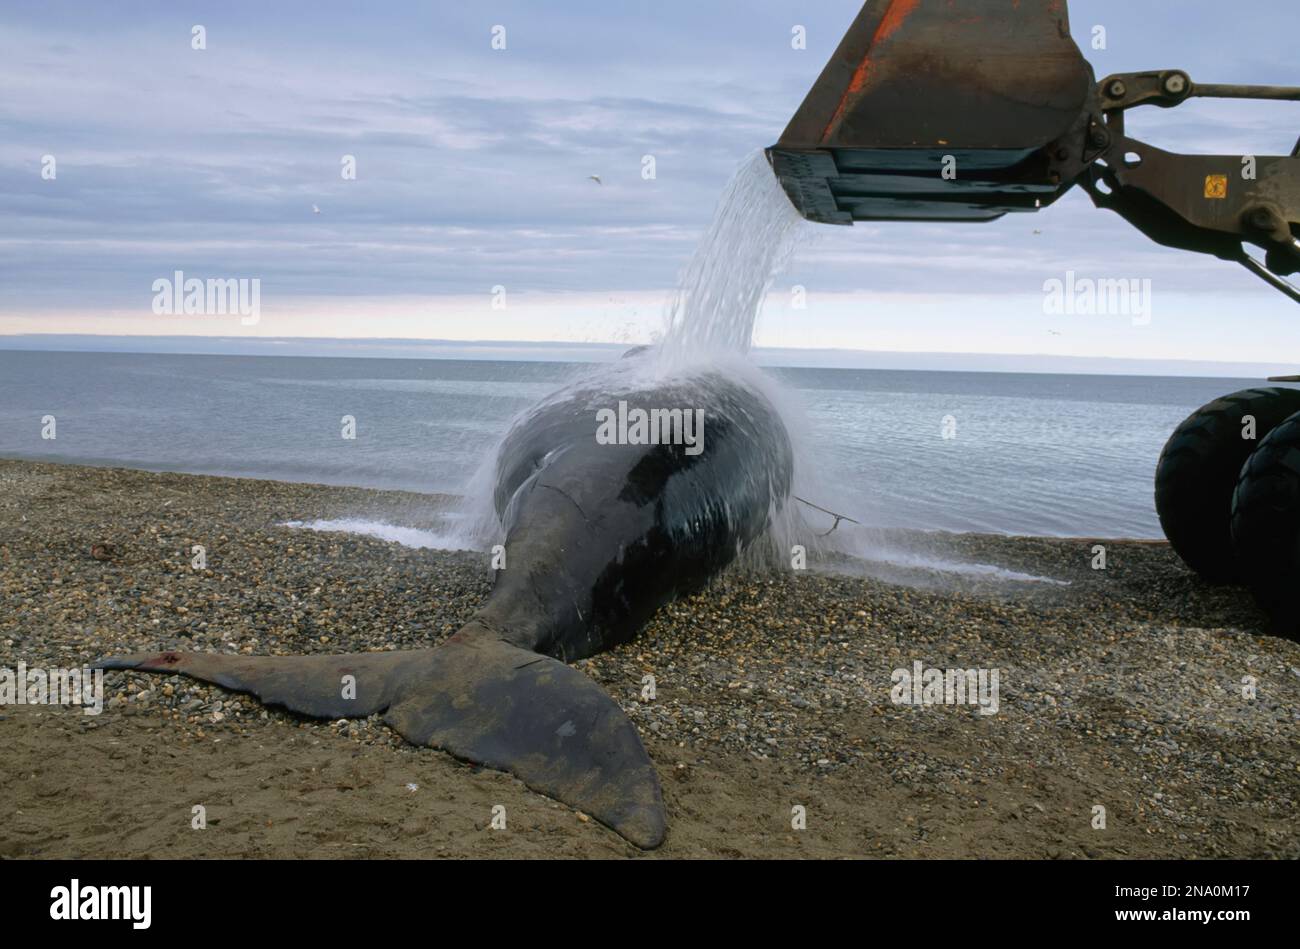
[472,168]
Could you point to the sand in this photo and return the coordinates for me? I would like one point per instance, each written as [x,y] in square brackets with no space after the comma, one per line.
[1121,689]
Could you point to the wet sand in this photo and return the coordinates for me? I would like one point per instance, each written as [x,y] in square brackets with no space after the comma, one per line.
[1121,689]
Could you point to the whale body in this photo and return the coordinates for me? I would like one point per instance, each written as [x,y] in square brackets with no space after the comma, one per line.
[602,525]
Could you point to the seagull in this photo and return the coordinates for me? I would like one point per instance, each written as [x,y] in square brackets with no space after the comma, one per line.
[315,210]
[1038,232]
[595,178]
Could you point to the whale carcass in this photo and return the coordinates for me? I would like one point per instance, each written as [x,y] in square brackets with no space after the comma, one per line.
[612,498]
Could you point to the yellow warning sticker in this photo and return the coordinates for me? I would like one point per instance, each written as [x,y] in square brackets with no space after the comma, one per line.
[1216,186]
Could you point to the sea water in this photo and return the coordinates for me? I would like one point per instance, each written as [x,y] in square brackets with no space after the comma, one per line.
[1035,453]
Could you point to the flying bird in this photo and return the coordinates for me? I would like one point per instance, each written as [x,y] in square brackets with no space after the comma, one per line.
[315,210]
[595,178]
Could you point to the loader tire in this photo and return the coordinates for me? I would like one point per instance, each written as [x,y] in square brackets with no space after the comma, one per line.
[1266,526]
[1198,471]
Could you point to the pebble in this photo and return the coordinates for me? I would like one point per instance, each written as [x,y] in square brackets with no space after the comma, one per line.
[1129,676]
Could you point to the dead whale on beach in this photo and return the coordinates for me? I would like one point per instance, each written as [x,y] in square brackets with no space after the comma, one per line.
[613,499]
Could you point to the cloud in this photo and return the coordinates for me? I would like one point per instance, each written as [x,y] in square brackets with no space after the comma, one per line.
[473,164]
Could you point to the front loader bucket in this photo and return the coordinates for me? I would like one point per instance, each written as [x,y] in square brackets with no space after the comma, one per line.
[941,110]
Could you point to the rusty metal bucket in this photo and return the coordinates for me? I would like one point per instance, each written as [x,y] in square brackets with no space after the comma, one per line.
[938,110]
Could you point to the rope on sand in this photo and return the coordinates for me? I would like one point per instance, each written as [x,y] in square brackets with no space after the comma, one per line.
[838,517]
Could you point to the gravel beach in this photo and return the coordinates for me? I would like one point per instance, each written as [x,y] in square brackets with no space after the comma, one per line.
[1125,688]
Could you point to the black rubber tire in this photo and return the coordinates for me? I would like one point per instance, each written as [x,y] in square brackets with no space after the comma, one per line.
[1266,526]
[1198,471]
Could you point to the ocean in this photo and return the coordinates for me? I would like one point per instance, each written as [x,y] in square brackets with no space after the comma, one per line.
[1017,453]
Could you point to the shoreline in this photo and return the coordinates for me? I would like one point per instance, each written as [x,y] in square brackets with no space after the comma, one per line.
[118,465]
[1120,690]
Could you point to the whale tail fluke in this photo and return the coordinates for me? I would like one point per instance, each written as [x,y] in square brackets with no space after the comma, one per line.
[546,723]
[476,697]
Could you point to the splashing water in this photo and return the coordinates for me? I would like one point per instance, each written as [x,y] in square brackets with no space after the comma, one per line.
[479,525]
[751,239]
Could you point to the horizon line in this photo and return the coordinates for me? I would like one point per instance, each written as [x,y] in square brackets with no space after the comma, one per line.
[381,347]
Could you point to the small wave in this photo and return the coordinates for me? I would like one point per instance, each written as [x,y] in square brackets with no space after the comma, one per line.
[988,570]
[877,557]
[393,533]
